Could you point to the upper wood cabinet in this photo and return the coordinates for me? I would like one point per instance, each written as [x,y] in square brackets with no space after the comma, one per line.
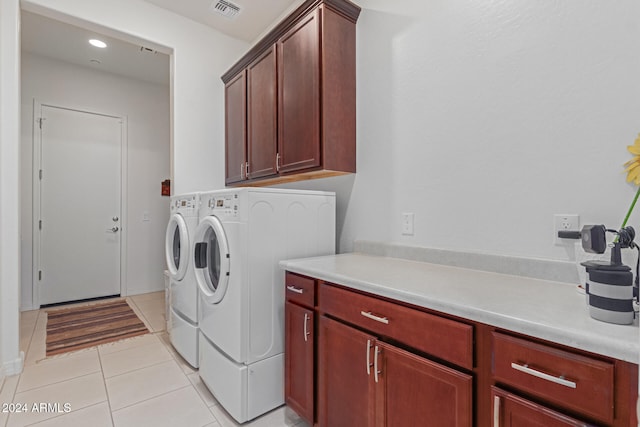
[299,93]
[300,99]
[262,126]
[235,128]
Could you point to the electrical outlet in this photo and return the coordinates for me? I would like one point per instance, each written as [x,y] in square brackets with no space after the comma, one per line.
[565,222]
[407,224]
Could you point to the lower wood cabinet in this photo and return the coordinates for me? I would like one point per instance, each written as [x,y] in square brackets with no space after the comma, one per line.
[578,383]
[510,410]
[364,381]
[345,375]
[417,391]
[299,360]
[355,359]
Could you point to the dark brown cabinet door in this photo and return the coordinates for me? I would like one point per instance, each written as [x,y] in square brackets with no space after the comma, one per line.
[513,411]
[417,391]
[262,108]
[298,359]
[299,95]
[346,393]
[235,128]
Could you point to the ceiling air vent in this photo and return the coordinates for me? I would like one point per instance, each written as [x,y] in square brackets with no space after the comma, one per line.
[144,49]
[226,8]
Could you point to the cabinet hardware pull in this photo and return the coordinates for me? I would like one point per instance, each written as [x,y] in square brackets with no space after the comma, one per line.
[277,162]
[372,316]
[558,380]
[296,290]
[242,170]
[375,364]
[368,357]
[496,411]
[247,170]
[306,333]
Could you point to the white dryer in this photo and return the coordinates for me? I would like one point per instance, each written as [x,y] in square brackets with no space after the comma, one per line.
[183,290]
[242,235]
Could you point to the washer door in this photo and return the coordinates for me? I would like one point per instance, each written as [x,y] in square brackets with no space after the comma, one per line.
[211,259]
[177,247]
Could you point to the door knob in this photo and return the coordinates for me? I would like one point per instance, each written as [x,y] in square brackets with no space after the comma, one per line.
[113,229]
[115,219]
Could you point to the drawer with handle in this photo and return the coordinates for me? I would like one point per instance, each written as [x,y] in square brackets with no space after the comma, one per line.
[300,289]
[510,410]
[570,380]
[441,337]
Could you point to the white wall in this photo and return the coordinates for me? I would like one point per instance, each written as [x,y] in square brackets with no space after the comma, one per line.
[146,107]
[10,358]
[486,118]
[200,56]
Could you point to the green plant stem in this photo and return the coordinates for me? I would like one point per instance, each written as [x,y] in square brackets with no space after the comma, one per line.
[633,204]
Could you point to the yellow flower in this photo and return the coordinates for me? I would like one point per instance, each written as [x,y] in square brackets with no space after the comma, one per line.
[633,165]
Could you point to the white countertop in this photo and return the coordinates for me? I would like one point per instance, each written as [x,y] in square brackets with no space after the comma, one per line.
[552,311]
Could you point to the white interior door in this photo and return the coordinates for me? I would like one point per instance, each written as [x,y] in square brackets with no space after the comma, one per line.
[80,205]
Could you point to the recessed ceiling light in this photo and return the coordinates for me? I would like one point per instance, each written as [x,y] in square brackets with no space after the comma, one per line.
[98,43]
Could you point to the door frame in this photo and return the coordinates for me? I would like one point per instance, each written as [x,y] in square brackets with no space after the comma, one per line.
[36,193]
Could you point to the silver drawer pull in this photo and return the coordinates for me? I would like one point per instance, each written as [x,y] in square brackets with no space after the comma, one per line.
[368,357]
[558,380]
[372,316]
[496,411]
[296,290]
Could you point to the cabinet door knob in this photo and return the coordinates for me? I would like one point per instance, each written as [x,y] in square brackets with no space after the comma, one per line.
[375,364]
[305,331]
[368,357]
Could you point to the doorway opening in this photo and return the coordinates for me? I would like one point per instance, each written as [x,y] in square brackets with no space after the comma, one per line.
[127,84]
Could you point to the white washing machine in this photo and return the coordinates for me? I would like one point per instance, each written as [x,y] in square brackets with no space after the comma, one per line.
[183,290]
[242,235]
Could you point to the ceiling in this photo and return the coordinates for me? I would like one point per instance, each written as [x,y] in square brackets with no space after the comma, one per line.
[254,17]
[65,42]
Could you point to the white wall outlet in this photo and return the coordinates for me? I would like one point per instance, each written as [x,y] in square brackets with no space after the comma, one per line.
[407,224]
[569,222]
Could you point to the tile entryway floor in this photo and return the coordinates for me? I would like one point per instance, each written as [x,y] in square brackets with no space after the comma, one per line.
[136,382]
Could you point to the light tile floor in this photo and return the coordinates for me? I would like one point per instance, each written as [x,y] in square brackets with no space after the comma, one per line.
[137,382]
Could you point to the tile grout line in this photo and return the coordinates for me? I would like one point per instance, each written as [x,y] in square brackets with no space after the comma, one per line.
[53,383]
[42,312]
[106,391]
[137,369]
[150,398]
[62,415]
[139,313]
[127,340]
[100,356]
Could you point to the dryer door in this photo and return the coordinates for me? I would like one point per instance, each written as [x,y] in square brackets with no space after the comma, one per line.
[211,259]
[177,247]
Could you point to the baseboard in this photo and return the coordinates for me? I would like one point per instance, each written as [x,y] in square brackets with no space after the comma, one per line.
[140,291]
[13,367]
